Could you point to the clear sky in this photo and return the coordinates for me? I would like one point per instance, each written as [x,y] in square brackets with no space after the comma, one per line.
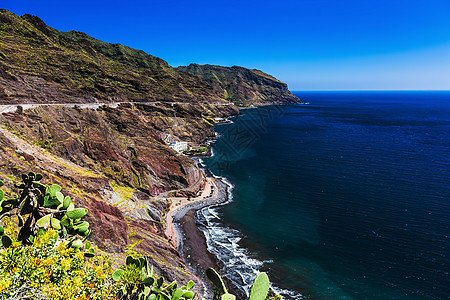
[309,44]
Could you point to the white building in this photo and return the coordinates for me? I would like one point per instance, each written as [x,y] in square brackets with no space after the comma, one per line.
[179,146]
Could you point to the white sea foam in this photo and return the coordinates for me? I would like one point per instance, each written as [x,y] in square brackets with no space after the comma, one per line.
[239,265]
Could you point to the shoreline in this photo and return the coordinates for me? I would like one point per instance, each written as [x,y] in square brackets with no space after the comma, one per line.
[181,206]
[183,230]
[184,233]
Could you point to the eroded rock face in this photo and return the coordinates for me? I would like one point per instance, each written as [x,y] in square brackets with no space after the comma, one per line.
[120,143]
[243,86]
[110,230]
[95,155]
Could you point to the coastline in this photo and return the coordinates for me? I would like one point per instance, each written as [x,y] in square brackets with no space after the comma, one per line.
[184,233]
[234,260]
[187,229]
[181,206]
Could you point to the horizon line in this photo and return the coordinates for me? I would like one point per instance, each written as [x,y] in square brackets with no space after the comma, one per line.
[369,90]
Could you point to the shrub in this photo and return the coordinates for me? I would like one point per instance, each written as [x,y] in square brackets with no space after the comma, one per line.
[43,257]
[49,268]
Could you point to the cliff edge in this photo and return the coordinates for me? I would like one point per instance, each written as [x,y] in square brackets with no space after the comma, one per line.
[39,64]
[115,160]
[243,87]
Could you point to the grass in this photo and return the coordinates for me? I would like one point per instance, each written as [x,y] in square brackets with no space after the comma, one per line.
[125,192]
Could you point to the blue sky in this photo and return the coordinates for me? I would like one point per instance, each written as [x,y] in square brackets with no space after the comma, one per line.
[309,44]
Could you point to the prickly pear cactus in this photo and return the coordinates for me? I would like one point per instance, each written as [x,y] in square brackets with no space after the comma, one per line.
[260,287]
[228,296]
[138,282]
[215,278]
[45,207]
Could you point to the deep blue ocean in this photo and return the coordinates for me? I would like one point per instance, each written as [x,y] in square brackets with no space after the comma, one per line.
[347,197]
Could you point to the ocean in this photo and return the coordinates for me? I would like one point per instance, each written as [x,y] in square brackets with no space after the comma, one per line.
[346,197]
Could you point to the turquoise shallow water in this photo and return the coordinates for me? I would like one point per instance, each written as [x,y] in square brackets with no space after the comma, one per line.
[344,198]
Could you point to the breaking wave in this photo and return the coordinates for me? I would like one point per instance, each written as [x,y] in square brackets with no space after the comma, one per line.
[238,264]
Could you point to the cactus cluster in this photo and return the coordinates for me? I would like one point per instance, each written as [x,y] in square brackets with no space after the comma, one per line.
[259,290]
[138,282]
[46,210]
[44,207]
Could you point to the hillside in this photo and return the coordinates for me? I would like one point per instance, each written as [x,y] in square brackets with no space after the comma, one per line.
[41,64]
[114,160]
[243,86]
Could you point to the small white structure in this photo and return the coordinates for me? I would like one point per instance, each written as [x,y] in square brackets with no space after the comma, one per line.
[179,146]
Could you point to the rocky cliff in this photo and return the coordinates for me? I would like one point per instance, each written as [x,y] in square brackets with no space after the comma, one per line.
[113,160]
[243,86]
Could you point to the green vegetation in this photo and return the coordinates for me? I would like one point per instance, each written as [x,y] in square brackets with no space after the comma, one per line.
[260,287]
[220,292]
[125,192]
[44,207]
[49,268]
[137,279]
[47,255]
[201,150]
[45,144]
[43,256]
[259,290]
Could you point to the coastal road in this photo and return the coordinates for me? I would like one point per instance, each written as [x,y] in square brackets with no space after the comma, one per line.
[12,108]
[6,108]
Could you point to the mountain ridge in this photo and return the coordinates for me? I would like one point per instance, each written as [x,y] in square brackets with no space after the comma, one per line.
[121,153]
[74,67]
[242,86]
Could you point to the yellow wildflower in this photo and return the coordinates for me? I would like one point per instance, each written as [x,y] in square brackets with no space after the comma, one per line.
[5,283]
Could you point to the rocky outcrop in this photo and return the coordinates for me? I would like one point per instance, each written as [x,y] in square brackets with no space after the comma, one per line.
[243,86]
[114,160]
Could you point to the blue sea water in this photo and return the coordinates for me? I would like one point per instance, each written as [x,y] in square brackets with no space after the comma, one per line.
[347,197]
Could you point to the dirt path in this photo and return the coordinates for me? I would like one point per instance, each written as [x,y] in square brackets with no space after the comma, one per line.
[199,177]
[5,108]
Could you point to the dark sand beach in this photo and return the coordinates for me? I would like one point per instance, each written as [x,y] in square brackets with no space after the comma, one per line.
[191,240]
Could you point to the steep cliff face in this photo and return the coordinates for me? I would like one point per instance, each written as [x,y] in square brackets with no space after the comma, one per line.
[243,86]
[113,161]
